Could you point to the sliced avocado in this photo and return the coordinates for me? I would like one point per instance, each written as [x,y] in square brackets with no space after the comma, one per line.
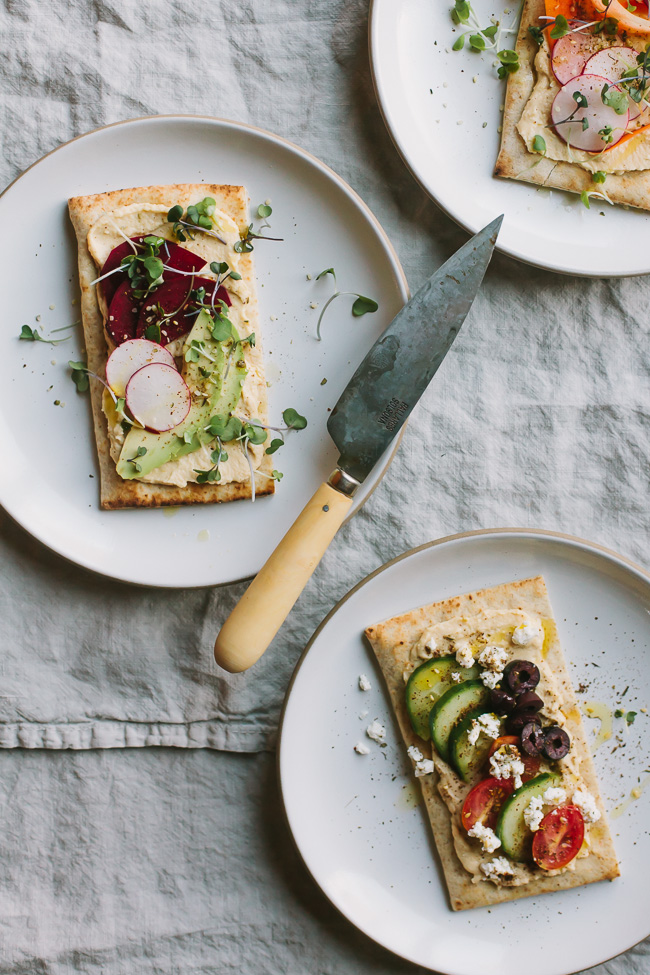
[516,838]
[223,394]
[452,707]
[466,758]
[426,684]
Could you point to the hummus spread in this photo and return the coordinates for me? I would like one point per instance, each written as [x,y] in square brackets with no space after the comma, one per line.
[630,155]
[496,630]
[110,230]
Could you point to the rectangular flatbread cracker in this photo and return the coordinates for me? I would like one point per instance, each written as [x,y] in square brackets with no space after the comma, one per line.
[397,644]
[88,212]
[515,161]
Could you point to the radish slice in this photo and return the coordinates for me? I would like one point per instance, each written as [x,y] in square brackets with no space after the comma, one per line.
[132,355]
[570,54]
[158,397]
[598,115]
[612,63]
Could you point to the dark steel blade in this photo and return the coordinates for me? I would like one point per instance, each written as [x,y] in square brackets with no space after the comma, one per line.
[400,365]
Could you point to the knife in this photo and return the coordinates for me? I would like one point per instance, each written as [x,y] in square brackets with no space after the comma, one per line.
[368,416]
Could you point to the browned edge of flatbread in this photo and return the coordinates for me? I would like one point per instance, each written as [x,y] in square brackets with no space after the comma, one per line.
[516,162]
[391,642]
[84,211]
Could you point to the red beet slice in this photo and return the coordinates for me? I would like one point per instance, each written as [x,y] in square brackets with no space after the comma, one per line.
[123,314]
[170,297]
[171,254]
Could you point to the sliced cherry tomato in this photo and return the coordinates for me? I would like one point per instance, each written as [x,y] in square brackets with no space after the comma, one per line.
[640,7]
[559,838]
[483,802]
[531,764]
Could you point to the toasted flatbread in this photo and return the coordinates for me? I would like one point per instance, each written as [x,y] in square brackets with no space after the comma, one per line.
[516,162]
[391,642]
[84,211]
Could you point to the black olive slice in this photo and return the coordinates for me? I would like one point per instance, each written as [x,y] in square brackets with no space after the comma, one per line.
[532,739]
[556,743]
[529,701]
[521,675]
[501,701]
[519,719]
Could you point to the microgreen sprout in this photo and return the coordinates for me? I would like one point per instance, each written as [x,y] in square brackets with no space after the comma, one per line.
[360,306]
[198,218]
[539,145]
[483,38]
[80,374]
[244,244]
[218,456]
[28,334]
[614,98]
[140,452]
[599,177]
[144,268]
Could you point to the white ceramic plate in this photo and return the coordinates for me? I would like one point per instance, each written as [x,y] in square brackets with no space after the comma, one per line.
[356,819]
[48,475]
[435,113]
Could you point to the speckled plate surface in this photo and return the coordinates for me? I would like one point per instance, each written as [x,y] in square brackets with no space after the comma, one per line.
[48,477]
[357,820]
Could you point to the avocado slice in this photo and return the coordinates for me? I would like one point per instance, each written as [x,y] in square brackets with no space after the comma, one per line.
[426,684]
[221,392]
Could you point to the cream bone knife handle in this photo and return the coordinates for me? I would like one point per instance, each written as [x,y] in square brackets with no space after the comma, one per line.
[267,602]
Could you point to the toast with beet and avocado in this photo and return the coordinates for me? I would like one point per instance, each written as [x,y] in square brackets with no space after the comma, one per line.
[480,688]
[173,345]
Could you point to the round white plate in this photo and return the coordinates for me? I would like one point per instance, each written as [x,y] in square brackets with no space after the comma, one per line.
[435,113]
[356,819]
[48,475]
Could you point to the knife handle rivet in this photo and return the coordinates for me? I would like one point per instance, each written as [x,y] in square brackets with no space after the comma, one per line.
[326,507]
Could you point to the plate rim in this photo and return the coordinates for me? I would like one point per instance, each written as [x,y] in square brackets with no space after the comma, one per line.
[576,541]
[400,275]
[373,18]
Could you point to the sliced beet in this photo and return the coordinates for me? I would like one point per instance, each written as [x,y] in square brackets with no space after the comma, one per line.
[123,314]
[171,254]
[171,297]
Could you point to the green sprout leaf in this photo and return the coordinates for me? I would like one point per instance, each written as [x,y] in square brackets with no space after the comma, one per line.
[152,332]
[277,475]
[618,713]
[539,145]
[175,214]
[580,99]
[461,12]
[363,306]
[477,42]
[264,211]
[537,34]
[560,27]
[629,717]
[294,420]
[328,270]
[599,177]
[222,328]
[219,268]
[490,31]
[225,427]
[614,98]
[584,196]
[275,444]
[459,43]
[255,433]
[79,374]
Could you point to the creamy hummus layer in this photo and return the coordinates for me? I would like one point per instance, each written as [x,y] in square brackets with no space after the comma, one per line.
[632,155]
[110,230]
[478,631]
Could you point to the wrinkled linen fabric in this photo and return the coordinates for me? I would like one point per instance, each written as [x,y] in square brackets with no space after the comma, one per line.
[120,858]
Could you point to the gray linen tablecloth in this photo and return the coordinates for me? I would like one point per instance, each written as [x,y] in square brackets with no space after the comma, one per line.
[162,860]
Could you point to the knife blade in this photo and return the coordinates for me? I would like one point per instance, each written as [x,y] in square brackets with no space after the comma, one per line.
[367,417]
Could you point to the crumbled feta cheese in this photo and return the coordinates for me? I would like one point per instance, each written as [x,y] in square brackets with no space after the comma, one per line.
[364,683]
[490,678]
[492,658]
[587,805]
[455,676]
[376,731]
[489,840]
[524,633]
[487,724]
[361,749]
[464,654]
[498,869]
[554,797]
[534,813]
[506,763]
[423,766]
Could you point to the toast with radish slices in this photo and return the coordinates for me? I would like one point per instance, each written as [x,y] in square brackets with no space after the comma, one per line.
[172,336]
[577,111]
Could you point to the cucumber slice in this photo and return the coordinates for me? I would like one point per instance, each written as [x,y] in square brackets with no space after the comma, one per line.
[454,704]
[426,684]
[466,759]
[516,838]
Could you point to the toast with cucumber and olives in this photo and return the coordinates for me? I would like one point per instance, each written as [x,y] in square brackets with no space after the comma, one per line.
[485,704]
